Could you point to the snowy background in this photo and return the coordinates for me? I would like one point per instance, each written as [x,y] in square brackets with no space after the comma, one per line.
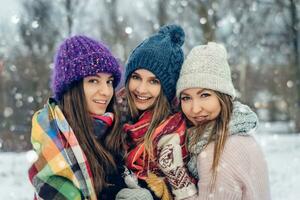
[262,38]
[281,151]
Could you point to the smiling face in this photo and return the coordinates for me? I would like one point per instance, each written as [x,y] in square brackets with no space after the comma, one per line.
[144,88]
[200,105]
[98,91]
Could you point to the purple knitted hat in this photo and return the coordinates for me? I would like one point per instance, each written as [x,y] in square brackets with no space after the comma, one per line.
[78,57]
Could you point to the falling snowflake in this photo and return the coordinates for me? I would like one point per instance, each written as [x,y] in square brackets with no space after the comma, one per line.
[13,68]
[210,12]
[8,111]
[15,19]
[18,96]
[35,24]
[156,26]
[290,84]
[30,99]
[12,128]
[128,30]
[203,20]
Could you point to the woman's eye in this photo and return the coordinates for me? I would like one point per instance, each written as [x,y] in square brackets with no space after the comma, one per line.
[93,81]
[155,81]
[205,95]
[110,82]
[185,98]
[135,77]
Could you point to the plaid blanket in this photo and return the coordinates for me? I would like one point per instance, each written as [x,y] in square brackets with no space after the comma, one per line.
[61,170]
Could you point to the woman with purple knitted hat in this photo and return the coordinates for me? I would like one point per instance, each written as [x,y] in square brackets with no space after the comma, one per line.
[76,137]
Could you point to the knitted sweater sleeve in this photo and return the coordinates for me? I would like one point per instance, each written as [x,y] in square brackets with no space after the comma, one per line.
[171,163]
[241,175]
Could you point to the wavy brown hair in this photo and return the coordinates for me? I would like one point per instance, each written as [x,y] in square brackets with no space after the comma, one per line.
[161,109]
[219,129]
[100,154]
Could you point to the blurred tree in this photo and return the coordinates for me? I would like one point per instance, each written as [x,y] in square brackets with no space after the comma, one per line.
[2,94]
[293,28]
[28,67]
[284,42]
[37,29]
[162,15]
[39,34]
[70,8]
[206,17]
[114,29]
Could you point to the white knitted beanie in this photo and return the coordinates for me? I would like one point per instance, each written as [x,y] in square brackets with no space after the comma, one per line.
[206,66]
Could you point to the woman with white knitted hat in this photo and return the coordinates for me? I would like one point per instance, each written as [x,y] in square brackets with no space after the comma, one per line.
[225,157]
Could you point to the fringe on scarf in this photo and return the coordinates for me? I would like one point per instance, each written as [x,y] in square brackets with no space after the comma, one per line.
[158,186]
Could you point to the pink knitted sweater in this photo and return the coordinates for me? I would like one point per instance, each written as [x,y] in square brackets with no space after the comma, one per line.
[242,172]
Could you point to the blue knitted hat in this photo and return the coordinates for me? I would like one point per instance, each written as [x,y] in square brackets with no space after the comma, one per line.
[80,56]
[161,54]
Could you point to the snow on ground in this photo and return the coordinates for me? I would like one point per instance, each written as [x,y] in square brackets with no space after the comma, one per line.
[281,150]
[282,154]
[14,184]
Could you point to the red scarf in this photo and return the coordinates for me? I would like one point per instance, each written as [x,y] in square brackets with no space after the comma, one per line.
[137,160]
[107,117]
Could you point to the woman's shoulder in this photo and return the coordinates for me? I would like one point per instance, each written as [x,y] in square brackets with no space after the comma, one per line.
[243,153]
[237,140]
[244,142]
[48,120]
[41,116]
[44,111]
[240,156]
[241,165]
[239,150]
[239,143]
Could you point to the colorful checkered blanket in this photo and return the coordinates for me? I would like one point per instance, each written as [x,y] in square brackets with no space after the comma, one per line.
[61,170]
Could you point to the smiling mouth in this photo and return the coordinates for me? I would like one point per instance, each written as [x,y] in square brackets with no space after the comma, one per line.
[100,101]
[200,118]
[141,98]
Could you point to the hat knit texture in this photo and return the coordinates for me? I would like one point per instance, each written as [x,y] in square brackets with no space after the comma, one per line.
[79,57]
[206,66]
[162,55]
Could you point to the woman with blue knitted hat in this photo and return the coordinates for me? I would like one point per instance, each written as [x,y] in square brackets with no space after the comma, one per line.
[156,136]
[80,150]
[225,157]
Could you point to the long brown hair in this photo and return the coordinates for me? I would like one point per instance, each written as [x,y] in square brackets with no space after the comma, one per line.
[219,131]
[99,156]
[161,109]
